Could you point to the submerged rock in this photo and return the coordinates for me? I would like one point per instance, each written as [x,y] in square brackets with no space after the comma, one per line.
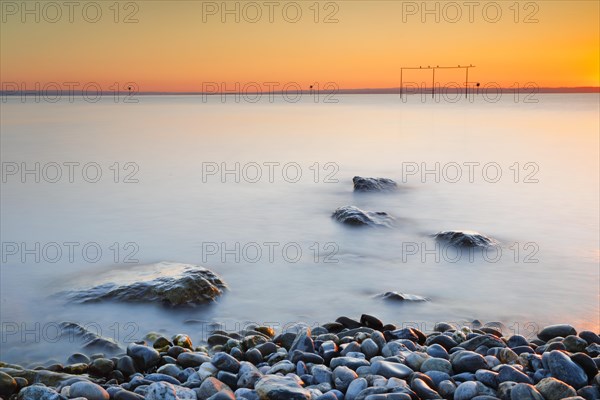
[90,340]
[48,378]
[354,216]
[395,296]
[172,284]
[465,239]
[373,184]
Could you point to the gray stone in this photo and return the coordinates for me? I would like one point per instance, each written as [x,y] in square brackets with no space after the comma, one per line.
[369,348]
[357,386]
[354,216]
[562,368]
[91,341]
[322,374]
[552,331]
[222,396]
[126,365]
[127,395]
[145,357]
[254,356]
[466,391]
[161,391]
[467,361]
[192,359]
[525,391]
[517,341]
[8,384]
[589,392]
[274,387]
[590,337]
[465,239]
[397,296]
[170,370]
[303,342]
[423,390]
[437,351]
[446,389]
[587,363]
[350,362]
[553,389]
[38,392]
[225,362]
[390,370]
[379,339]
[574,344]
[48,378]
[482,340]
[510,373]
[443,340]
[211,386]
[101,367]
[77,358]
[373,184]
[504,390]
[488,378]
[171,284]
[89,390]
[342,377]
[217,339]
[283,366]
[158,377]
[436,364]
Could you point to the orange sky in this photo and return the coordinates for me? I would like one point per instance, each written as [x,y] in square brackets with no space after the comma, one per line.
[172,48]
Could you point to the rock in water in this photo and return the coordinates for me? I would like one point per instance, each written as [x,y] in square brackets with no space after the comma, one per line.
[401,297]
[464,239]
[90,340]
[354,216]
[172,284]
[373,184]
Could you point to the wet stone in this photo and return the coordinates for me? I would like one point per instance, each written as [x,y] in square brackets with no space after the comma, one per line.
[562,368]
[559,330]
[391,370]
[525,391]
[275,387]
[225,362]
[553,389]
[373,184]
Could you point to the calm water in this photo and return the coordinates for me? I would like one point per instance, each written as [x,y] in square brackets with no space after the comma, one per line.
[162,208]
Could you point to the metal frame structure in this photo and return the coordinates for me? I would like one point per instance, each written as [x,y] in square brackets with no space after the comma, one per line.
[466,67]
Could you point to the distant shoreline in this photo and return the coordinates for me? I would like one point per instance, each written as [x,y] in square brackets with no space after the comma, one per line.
[396,91]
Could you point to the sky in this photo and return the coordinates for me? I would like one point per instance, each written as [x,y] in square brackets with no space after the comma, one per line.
[192,45]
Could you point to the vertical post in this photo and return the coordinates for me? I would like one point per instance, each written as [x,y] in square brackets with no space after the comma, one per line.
[467,83]
[401,69]
[433,85]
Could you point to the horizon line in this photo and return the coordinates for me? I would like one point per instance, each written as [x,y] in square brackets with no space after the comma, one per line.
[392,90]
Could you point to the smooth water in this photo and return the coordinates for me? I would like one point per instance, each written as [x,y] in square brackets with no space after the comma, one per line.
[544,210]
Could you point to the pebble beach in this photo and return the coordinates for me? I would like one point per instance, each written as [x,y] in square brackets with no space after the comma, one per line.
[347,359]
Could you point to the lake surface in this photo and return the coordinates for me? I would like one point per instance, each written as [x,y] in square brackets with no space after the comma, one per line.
[526,174]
